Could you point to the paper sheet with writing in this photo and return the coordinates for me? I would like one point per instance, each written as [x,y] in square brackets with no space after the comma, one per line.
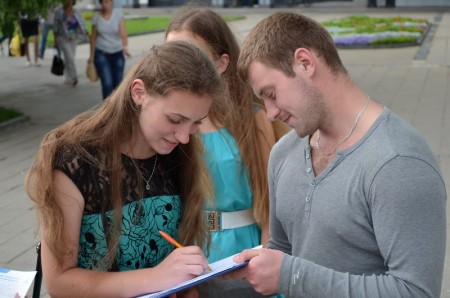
[12,282]
[217,268]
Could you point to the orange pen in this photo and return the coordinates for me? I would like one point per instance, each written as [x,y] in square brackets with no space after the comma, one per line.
[173,241]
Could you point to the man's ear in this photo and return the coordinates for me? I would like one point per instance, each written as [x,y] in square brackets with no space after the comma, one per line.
[222,63]
[303,60]
[138,91]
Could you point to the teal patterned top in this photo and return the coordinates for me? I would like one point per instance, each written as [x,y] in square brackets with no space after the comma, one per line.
[140,245]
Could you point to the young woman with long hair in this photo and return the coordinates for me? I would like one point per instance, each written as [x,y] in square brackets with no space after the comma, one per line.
[107,181]
[237,137]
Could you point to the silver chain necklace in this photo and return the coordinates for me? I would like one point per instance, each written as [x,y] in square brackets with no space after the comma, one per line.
[349,133]
[147,182]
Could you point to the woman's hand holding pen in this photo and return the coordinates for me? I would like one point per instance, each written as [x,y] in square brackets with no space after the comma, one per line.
[262,271]
[182,264]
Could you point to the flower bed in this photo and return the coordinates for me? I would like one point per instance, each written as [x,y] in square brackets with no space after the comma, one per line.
[363,31]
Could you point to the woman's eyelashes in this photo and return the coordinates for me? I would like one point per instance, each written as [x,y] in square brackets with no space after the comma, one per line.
[174,120]
[180,121]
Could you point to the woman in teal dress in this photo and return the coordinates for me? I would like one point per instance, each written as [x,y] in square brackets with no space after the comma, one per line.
[226,169]
[237,137]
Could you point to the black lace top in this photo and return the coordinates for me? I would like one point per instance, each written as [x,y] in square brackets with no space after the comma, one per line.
[159,208]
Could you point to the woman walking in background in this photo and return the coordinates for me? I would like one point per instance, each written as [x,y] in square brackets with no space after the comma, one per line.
[30,28]
[47,26]
[69,28]
[109,46]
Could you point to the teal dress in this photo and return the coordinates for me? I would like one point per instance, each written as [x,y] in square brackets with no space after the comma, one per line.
[233,192]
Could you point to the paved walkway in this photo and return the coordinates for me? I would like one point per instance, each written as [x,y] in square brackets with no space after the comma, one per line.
[416,86]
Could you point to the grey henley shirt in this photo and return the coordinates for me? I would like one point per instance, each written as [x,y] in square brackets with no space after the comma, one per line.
[372,224]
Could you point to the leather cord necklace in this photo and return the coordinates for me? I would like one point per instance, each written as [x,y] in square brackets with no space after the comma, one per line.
[147,181]
[347,136]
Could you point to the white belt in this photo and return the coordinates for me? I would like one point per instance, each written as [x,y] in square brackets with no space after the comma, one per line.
[218,221]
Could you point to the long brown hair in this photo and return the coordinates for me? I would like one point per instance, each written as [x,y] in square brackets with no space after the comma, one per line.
[168,67]
[237,111]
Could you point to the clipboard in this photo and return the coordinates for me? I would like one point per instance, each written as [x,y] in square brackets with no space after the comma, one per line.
[217,269]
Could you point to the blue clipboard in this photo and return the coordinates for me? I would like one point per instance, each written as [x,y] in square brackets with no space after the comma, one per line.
[217,269]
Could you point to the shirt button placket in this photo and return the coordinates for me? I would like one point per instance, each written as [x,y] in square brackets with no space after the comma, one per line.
[308,196]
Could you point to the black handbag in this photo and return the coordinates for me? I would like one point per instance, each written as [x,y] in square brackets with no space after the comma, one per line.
[57,66]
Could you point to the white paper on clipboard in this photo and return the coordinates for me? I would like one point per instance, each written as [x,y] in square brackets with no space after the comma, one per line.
[217,268]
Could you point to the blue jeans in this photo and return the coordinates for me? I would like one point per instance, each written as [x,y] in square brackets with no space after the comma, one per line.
[109,69]
[46,27]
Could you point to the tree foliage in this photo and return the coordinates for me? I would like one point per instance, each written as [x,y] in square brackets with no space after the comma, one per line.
[10,9]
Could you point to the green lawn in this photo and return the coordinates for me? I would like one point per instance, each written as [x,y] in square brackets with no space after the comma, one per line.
[142,25]
[6,114]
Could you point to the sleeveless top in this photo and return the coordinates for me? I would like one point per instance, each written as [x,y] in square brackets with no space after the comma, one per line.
[108,32]
[140,245]
[233,192]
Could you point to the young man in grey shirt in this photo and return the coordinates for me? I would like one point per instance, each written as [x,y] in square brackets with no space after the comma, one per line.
[357,199]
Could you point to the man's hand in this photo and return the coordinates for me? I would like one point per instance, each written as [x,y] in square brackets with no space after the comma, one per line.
[262,271]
